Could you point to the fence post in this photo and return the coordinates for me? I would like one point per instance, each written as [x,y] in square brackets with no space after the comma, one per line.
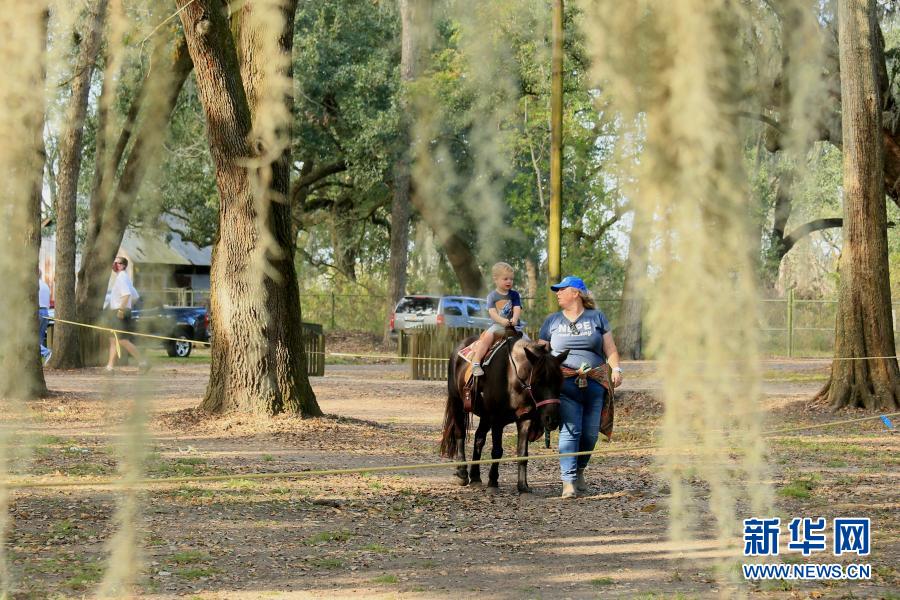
[790,322]
[332,310]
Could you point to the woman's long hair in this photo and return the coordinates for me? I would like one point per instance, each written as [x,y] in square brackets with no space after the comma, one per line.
[587,299]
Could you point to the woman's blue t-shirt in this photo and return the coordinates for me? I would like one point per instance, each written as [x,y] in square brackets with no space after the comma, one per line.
[583,338]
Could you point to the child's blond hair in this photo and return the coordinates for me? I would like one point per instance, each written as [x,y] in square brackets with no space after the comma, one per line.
[501,268]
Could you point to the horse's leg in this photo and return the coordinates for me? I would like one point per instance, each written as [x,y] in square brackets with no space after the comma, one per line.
[459,432]
[522,450]
[462,474]
[496,452]
[484,425]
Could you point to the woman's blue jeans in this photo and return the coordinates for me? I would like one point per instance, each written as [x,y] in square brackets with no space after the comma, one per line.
[580,412]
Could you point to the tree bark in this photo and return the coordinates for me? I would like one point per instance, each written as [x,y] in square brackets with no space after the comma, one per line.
[34,374]
[346,249]
[415,17]
[258,361]
[531,282]
[67,353]
[111,210]
[23,43]
[864,327]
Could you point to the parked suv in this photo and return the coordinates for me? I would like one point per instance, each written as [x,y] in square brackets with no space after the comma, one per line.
[187,323]
[440,311]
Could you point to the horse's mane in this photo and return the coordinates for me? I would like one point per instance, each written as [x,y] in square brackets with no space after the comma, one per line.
[544,368]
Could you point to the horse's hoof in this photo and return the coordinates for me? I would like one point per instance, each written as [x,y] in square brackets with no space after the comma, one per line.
[476,482]
[492,489]
[460,481]
[525,490]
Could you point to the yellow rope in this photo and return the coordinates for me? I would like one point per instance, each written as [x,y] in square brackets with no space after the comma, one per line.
[117,331]
[25,484]
[395,357]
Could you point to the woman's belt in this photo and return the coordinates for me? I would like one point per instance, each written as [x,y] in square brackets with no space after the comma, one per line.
[599,374]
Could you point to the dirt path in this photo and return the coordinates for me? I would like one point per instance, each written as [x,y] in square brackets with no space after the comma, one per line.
[409,534]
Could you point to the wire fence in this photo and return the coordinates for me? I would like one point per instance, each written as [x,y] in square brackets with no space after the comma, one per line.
[790,326]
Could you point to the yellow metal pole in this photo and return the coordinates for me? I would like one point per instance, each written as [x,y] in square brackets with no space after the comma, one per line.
[556,134]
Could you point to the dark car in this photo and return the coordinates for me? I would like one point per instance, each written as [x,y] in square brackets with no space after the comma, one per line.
[187,324]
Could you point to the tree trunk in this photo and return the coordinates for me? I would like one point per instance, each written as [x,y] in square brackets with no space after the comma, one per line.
[22,56]
[461,258]
[864,327]
[258,361]
[67,353]
[34,374]
[463,261]
[415,17]
[111,211]
[531,283]
[629,338]
[343,241]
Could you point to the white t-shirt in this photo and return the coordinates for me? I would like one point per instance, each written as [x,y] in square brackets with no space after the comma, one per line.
[43,293]
[122,287]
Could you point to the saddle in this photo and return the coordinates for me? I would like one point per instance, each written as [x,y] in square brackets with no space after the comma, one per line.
[472,386]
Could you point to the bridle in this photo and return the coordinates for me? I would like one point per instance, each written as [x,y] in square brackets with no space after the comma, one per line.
[527,386]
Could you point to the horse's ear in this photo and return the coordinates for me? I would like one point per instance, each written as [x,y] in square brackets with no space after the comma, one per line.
[530,355]
[562,356]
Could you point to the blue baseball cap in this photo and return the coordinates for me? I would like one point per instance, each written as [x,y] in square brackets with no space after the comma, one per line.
[570,281]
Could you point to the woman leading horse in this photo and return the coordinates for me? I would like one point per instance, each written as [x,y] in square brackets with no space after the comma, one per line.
[582,334]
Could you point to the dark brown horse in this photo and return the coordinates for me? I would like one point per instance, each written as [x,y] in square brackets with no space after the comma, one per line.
[520,385]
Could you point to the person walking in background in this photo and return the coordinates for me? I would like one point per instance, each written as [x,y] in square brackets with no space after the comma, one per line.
[122,297]
[43,316]
[585,332]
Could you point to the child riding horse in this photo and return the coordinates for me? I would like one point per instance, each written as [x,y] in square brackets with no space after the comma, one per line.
[521,385]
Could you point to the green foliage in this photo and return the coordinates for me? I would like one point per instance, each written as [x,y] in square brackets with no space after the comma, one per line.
[799,488]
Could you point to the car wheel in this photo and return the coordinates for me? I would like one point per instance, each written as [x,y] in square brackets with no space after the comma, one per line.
[180,349]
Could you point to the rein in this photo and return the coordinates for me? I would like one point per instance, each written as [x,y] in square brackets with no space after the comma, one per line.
[527,386]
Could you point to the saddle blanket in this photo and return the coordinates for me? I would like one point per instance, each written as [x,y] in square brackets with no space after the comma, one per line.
[466,353]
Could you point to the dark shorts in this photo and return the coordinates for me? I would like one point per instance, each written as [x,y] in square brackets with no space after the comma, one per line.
[111,319]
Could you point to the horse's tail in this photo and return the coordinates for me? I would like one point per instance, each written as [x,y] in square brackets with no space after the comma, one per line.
[455,418]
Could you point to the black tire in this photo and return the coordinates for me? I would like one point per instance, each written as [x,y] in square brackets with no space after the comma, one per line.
[180,349]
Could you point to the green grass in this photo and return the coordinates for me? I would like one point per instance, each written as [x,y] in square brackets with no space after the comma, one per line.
[602,581]
[87,469]
[62,528]
[327,536]
[799,489]
[268,457]
[779,585]
[180,467]
[327,563]
[836,464]
[377,548]
[802,444]
[84,575]
[188,557]
[386,579]
[241,485]
[885,571]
